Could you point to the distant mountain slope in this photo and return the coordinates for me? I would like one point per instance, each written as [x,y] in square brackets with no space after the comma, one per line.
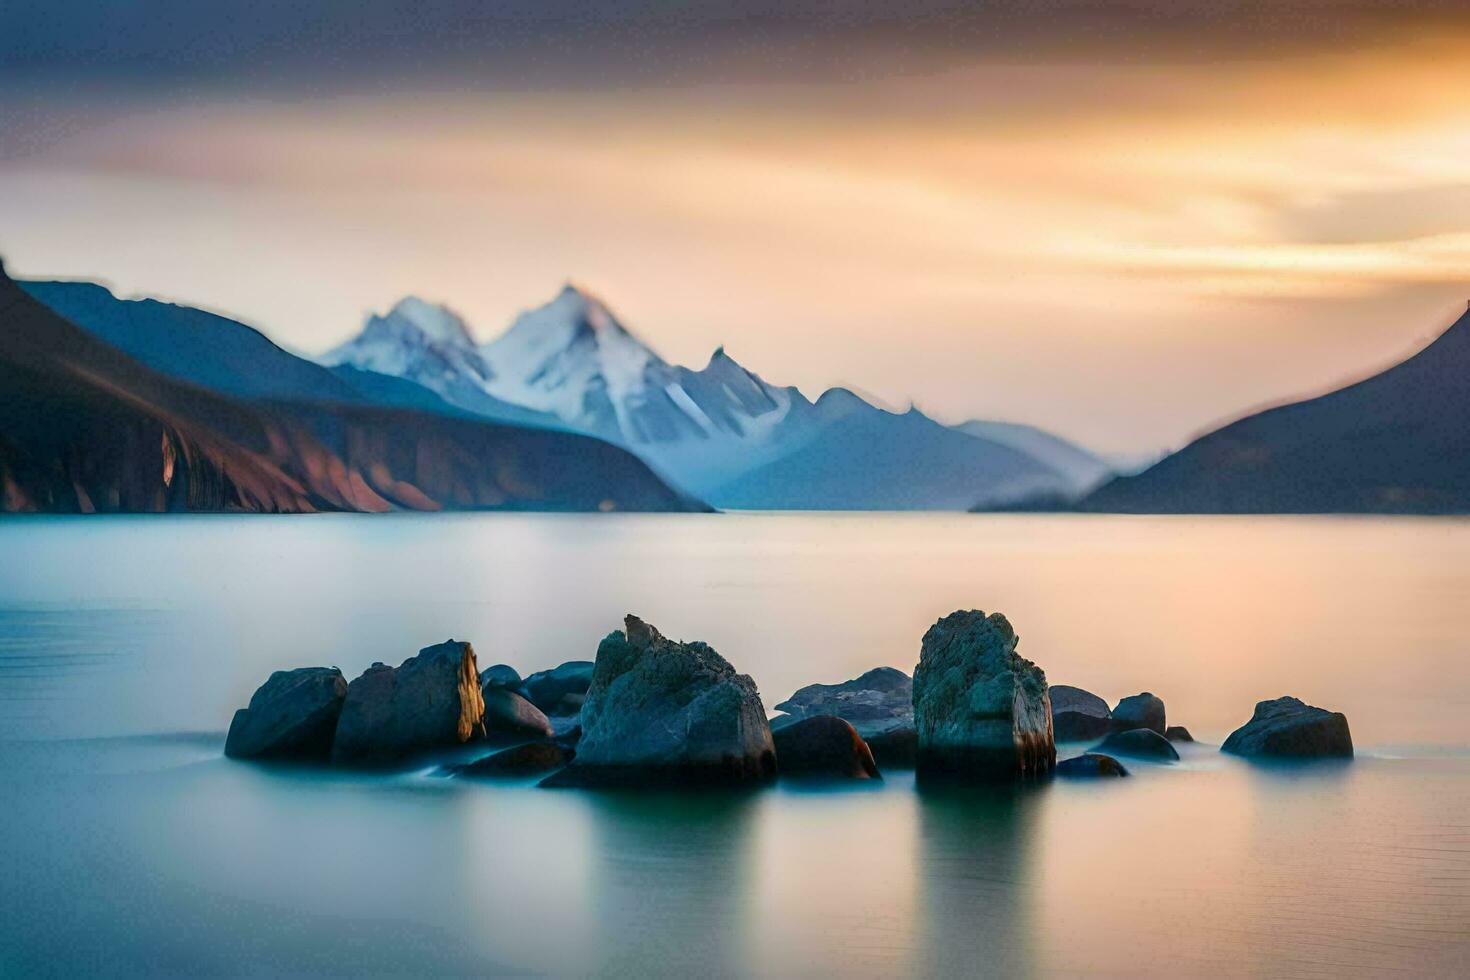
[1398,442]
[868,459]
[192,345]
[708,430]
[84,427]
[1083,469]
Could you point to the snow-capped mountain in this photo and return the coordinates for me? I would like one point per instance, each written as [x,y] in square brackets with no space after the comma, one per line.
[708,430]
[430,345]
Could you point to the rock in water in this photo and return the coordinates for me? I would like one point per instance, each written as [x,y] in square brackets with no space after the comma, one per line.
[980,709]
[292,715]
[523,760]
[429,701]
[894,746]
[880,694]
[823,745]
[1091,765]
[1288,728]
[659,711]
[1141,743]
[500,675]
[508,715]
[1178,733]
[1140,711]
[1078,715]
[560,691]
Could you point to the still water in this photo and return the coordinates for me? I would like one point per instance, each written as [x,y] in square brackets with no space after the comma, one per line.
[130,845]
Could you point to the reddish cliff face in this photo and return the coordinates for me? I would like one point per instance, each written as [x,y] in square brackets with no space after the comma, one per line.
[84,428]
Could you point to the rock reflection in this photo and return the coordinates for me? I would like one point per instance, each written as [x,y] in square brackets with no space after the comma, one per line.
[975,872]
[669,880]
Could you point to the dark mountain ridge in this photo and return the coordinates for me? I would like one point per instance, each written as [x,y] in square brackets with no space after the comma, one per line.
[1396,442]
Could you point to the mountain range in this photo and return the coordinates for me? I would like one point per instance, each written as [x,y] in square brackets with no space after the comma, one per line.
[722,432]
[1396,442]
[113,404]
[136,406]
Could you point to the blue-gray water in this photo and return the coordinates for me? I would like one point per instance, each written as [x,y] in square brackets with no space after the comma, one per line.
[131,846]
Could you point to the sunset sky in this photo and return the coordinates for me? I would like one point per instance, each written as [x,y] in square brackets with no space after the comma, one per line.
[1121,221]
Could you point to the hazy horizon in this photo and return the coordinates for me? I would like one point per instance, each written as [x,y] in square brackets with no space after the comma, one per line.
[1123,226]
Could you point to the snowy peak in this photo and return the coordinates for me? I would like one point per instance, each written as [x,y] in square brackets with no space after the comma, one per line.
[437,322]
[418,340]
[573,358]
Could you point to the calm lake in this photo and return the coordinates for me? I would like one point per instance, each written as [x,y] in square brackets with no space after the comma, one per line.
[131,845]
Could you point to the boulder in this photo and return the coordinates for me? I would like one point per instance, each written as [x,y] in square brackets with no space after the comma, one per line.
[1178,733]
[529,759]
[561,690]
[980,709]
[1140,711]
[665,712]
[429,701]
[823,745]
[879,704]
[292,715]
[508,715]
[881,694]
[500,675]
[1288,728]
[895,746]
[1141,743]
[1091,765]
[1078,715]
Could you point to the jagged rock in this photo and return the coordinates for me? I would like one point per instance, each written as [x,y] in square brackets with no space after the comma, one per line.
[1142,743]
[1091,764]
[980,709]
[1178,733]
[500,675]
[523,760]
[823,745]
[561,690]
[880,694]
[1139,711]
[292,715]
[660,711]
[1078,715]
[429,701]
[508,715]
[1289,728]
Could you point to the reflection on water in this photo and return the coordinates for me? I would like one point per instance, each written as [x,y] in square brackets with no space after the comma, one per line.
[127,855]
[976,869]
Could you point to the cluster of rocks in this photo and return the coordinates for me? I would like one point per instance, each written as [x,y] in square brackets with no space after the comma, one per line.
[650,710]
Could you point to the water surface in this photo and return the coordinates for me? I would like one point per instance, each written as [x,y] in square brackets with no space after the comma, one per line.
[131,846]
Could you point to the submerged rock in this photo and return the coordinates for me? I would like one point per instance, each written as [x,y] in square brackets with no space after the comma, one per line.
[1139,711]
[980,709]
[823,745]
[1091,764]
[561,690]
[661,711]
[1178,733]
[880,694]
[523,760]
[1078,715]
[292,715]
[429,701]
[500,675]
[508,715]
[1142,743]
[1289,728]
